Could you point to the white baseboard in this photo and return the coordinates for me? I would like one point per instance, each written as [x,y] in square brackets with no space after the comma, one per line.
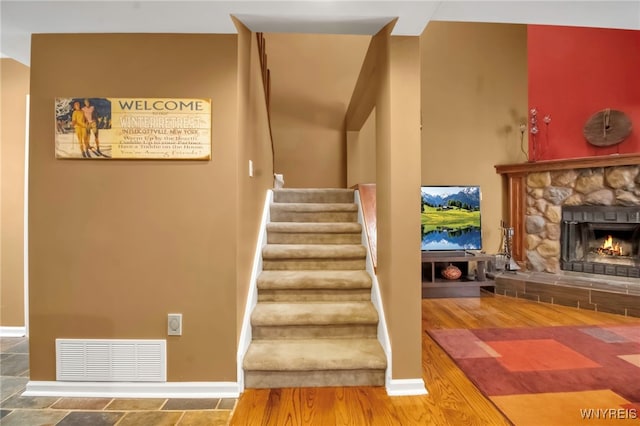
[13,331]
[406,387]
[133,390]
[397,387]
[252,296]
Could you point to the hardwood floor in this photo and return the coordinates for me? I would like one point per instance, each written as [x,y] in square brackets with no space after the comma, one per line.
[452,398]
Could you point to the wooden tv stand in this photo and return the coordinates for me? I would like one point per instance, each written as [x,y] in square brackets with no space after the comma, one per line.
[433,285]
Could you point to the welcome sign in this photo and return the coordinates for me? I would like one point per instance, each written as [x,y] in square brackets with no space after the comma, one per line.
[133,128]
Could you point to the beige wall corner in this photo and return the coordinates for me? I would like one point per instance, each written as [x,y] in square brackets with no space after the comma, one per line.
[361,153]
[312,80]
[474,98]
[117,245]
[254,144]
[14,88]
[389,84]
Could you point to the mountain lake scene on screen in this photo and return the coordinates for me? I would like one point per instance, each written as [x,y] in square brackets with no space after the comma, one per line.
[451,218]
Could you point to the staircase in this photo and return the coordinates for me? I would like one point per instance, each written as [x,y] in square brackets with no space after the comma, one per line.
[314,323]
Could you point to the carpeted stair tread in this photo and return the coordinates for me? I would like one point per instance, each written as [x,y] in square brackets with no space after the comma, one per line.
[316,354]
[313,195]
[315,227]
[313,251]
[276,280]
[314,323]
[314,212]
[309,313]
[314,207]
[314,232]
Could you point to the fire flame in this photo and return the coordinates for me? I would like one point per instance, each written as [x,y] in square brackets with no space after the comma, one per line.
[609,247]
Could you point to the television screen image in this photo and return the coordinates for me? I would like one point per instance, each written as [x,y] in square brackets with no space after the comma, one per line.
[451,218]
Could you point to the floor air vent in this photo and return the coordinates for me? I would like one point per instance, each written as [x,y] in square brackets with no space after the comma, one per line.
[111,360]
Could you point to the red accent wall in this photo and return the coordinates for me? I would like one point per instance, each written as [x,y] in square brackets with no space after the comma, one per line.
[575,72]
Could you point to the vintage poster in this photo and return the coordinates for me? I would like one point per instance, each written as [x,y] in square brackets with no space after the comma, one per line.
[133,128]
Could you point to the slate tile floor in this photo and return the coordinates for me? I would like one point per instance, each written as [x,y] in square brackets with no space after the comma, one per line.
[17,410]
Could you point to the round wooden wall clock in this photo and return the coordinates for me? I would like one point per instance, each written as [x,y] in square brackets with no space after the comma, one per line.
[607,127]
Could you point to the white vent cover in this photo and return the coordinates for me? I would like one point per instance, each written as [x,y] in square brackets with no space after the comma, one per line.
[111,360]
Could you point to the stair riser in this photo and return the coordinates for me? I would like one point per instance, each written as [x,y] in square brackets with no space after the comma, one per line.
[311,197]
[315,217]
[324,378]
[310,238]
[314,295]
[288,332]
[313,265]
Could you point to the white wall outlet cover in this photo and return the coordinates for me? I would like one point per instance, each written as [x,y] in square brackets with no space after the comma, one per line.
[250,168]
[174,325]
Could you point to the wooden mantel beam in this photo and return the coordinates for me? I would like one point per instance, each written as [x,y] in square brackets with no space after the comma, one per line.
[568,164]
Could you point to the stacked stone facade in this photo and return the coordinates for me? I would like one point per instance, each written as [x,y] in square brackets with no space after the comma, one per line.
[547,192]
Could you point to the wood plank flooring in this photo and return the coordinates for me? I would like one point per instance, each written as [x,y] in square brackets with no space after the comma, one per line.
[452,398]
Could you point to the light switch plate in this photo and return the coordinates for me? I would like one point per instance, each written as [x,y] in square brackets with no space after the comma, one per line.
[174,325]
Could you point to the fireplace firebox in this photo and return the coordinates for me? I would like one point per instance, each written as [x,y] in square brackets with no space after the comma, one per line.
[601,240]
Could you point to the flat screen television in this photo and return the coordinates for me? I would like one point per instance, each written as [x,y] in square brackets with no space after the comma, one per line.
[451,218]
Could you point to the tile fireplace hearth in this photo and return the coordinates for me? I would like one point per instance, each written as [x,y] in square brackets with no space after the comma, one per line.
[601,240]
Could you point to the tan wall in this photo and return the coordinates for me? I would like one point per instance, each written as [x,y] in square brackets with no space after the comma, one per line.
[312,80]
[474,97]
[117,245]
[361,153]
[255,145]
[398,200]
[14,87]
[390,83]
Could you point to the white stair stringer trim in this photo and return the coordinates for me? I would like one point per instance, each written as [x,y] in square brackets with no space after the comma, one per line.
[394,387]
[376,299]
[252,297]
[6,331]
[133,390]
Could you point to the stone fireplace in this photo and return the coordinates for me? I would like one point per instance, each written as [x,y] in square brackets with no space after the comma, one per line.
[601,240]
[562,210]
[593,197]
[576,232]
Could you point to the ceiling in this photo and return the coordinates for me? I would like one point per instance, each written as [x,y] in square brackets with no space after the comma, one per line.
[21,18]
